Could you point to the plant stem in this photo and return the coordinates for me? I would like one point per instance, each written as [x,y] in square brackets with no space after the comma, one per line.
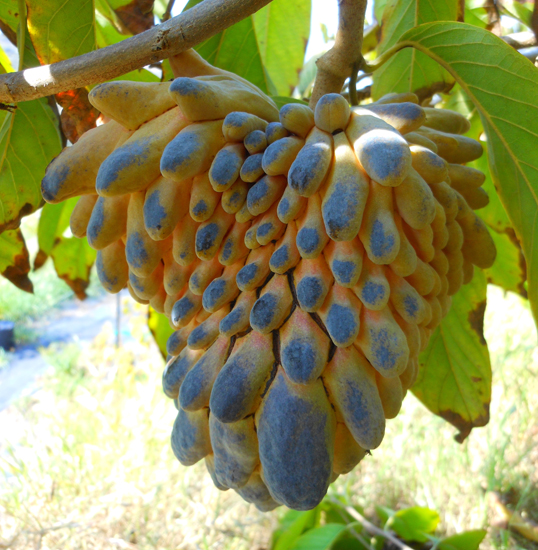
[337,64]
[353,99]
[374,530]
[384,57]
[160,42]
[22,32]
[168,12]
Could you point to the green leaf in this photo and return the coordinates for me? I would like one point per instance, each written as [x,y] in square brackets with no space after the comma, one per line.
[60,29]
[454,378]
[236,49]
[494,213]
[411,71]
[334,510]
[282,31]
[522,11]
[503,85]
[109,28]
[5,63]
[9,13]
[281,101]
[411,524]
[115,4]
[159,7]
[347,541]
[292,527]
[14,260]
[510,269]
[308,75]
[139,75]
[475,13]
[73,259]
[160,328]
[53,221]
[379,8]
[320,538]
[29,140]
[476,17]
[470,540]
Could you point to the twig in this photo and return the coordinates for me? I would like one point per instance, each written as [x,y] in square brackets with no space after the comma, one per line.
[374,530]
[519,40]
[350,527]
[168,12]
[494,17]
[336,65]
[362,94]
[162,41]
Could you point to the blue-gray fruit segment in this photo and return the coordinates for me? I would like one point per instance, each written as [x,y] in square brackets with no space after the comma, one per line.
[190,436]
[294,442]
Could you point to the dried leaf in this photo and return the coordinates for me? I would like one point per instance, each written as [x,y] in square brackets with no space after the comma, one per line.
[14,259]
[78,114]
[137,16]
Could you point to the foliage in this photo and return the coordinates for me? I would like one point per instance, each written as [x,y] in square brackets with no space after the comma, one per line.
[503,86]
[455,375]
[334,525]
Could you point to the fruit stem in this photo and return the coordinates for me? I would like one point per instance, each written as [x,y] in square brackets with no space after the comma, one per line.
[337,64]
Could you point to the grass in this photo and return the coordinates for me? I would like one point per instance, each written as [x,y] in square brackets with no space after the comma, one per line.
[86,463]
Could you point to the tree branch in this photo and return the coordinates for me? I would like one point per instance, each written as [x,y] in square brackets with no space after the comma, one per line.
[162,41]
[519,40]
[337,64]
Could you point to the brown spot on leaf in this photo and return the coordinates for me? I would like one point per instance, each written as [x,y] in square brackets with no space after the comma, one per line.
[14,223]
[522,291]
[18,272]
[137,16]
[40,259]
[476,379]
[78,286]
[19,279]
[476,320]
[78,114]
[465,426]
